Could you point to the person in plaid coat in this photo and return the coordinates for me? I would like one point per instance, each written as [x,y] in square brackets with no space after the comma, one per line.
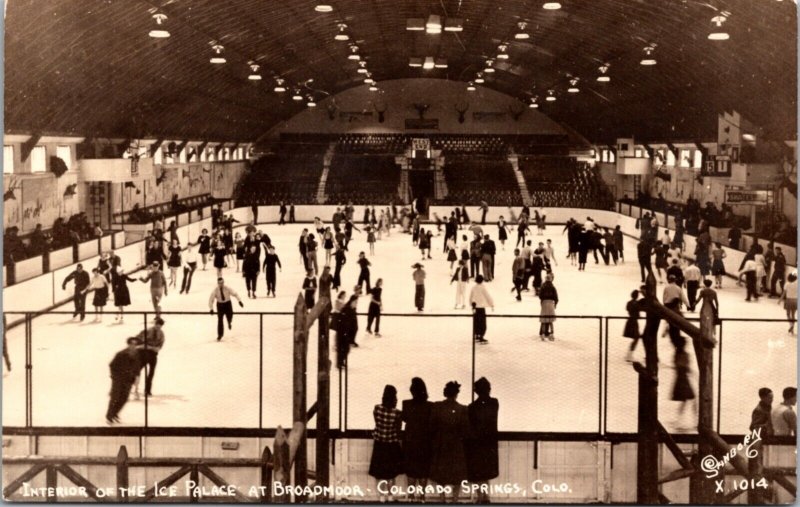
[387,454]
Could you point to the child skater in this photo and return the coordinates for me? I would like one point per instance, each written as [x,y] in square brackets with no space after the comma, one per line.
[371,239]
[174,262]
[204,240]
[327,244]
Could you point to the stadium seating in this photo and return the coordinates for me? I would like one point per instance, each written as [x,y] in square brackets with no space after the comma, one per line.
[363,179]
[471,179]
[287,177]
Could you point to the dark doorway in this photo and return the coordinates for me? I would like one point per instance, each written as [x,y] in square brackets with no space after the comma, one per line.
[421,184]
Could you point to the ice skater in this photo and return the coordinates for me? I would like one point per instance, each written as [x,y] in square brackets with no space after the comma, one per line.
[502,231]
[480,299]
[309,288]
[174,261]
[271,260]
[158,286]
[250,269]
[370,230]
[460,277]
[375,307]
[122,295]
[419,286]
[152,340]
[518,273]
[220,252]
[189,267]
[82,281]
[682,390]
[222,294]
[789,298]
[363,275]
[632,324]
[548,296]
[98,285]
[124,368]
[204,242]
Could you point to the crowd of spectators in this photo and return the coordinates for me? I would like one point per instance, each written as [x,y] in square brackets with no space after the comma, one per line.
[64,233]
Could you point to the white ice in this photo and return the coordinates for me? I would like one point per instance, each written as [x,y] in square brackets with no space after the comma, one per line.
[541,386]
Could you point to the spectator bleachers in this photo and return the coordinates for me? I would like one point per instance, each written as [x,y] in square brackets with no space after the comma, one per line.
[372,143]
[564,182]
[471,179]
[363,179]
[475,144]
[289,177]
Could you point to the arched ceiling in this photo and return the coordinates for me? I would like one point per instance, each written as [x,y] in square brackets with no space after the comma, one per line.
[88,67]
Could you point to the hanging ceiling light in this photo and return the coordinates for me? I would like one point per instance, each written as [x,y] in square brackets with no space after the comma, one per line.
[341,35]
[454,25]
[434,24]
[717,32]
[254,75]
[415,61]
[522,34]
[470,87]
[551,6]
[369,79]
[415,24]
[550,96]
[311,102]
[159,33]
[428,64]
[489,69]
[573,85]
[218,50]
[648,50]
[479,78]
[502,55]
[353,53]
[534,103]
[297,97]
[440,63]
[373,88]
[279,88]
[323,8]
[362,67]
[603,78]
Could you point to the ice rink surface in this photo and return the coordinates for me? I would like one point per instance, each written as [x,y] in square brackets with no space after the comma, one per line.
[541,386]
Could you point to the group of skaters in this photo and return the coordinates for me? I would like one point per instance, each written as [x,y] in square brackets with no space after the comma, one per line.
[453,445]
[590,237]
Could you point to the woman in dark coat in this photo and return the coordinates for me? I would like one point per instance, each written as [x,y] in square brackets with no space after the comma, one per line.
[387,455]
[584,244]
[417,437]
[348,326]
[682,391]
[342,342]
[449,429]
[122,296]
[482,456]
[632,324]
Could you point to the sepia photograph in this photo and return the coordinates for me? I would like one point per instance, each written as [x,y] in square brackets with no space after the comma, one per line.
[408,251]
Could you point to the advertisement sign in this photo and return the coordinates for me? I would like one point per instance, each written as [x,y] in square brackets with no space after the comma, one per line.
[756,197]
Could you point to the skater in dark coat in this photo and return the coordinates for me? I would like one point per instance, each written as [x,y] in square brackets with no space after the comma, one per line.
[417,436]
[250,269]
[124,368]
[387,455]
[122,295]
[584,245]
[309,288]
[349,322]
[481,447]
[632,324]
[340,259]
[449,429]
[682,390]
[204,242]
[271,260]
[82,281]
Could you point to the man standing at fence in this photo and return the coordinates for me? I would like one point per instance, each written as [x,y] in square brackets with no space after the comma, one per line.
[81,279]
[222,295]
[124,368]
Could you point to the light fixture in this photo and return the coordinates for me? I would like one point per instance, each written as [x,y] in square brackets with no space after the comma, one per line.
[369,80]
[353,53]
[218,50]
[648,52]
[454,25]
[550,96]
[502,55]
[254,75]
[522,34]
[717,32]
[434,24]
[311,102]
[470,87]
[323,8]
[341,35]
[489,69]
[297,97]
[415,24]
[159,33]
[551,6]
[362,67]
[534,104]
[479,78]
[574,85]
[373,88]
[279,85]
[748,137]
[440,63]
[428,63]
[415,62]
[603,77]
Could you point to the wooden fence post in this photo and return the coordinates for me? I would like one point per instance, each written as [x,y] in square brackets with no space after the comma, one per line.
[323,401]
[266,475]
[280,464]
[122,474]
[299,389]
[51,480]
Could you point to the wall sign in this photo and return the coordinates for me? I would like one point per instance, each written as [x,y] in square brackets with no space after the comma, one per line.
[755,197]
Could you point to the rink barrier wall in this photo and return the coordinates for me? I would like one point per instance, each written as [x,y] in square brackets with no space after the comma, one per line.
[38,298]
[39,292]
[595,468]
